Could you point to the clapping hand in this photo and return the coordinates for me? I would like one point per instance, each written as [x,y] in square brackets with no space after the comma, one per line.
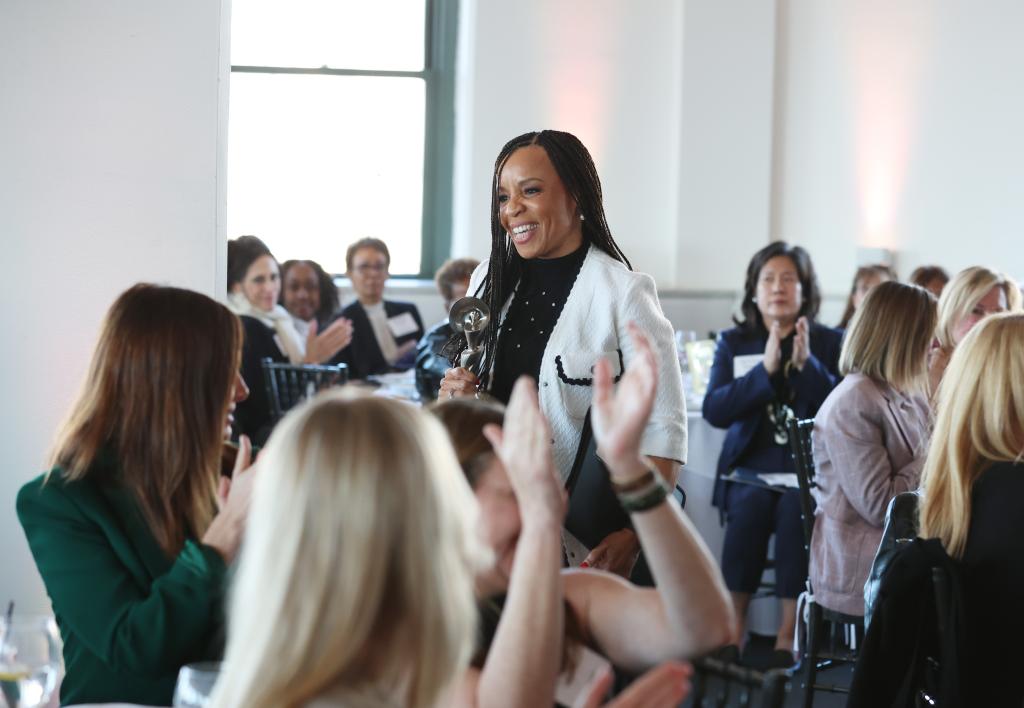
[234,496]
[801,344]
[322,347]
[619,415]
[524,448]
[773,349]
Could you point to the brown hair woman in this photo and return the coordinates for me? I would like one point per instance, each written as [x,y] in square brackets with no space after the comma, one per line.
[133,527]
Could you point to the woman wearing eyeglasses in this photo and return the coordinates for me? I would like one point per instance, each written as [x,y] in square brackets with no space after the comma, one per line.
[384,332]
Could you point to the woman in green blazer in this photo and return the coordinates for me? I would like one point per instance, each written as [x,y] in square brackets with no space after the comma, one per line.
[133,527]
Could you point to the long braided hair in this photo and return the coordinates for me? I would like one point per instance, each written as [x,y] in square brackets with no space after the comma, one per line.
[575,167]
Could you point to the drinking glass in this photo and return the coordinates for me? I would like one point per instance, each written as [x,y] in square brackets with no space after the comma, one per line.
[195,684]
[29,660]
[682,337]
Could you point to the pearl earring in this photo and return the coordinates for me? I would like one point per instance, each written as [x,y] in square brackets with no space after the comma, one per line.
[582,218]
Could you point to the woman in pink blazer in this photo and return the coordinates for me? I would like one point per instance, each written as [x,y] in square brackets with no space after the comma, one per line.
[870,437]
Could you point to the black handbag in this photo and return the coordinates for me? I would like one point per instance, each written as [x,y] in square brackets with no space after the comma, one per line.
[900,527]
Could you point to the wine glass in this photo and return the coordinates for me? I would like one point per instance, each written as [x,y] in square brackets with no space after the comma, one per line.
[29,660]
[195,684]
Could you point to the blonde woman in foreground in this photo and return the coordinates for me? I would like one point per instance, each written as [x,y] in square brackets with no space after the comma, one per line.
[355,585]
[972,295]
[973,501]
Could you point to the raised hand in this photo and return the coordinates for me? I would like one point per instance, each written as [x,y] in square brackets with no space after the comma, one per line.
[801,344]
[322,347]
[773,349]
[619,415]
[233,498]
[524,448]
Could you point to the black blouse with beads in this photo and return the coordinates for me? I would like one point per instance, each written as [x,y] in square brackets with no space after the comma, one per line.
[536,306]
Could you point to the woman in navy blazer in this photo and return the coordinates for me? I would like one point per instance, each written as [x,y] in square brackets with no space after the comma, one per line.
[776,364]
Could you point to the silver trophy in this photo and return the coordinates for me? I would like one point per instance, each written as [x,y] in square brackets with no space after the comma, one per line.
[470,316]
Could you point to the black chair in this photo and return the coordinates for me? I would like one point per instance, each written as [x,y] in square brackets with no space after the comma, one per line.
[819,618]
[719,683]
[912,653]
[290,384]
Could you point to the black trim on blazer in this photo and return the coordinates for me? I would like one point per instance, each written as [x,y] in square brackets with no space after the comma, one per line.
[586,382]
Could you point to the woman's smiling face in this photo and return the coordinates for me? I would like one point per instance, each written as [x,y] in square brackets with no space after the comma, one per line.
[261,285]
[535,209]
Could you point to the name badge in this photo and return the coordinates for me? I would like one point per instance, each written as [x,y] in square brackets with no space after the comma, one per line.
[741,365]
[401,325]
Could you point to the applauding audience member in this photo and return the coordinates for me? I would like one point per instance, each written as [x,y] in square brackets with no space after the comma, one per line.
[384,332]
[776,364]
[541,622]
[972,295]
[866,278]
[973,485]
[931,278]
[133,528]
[870,438]
[254,287]
[309,295]
[452,280]
[355,585]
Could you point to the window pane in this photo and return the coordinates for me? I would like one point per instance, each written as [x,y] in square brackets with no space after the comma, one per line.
[317,162]
[340,34]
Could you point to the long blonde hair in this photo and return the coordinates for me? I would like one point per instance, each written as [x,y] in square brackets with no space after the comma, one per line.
[962,295]
[356,577]
[889,336]
[980,421]
[156,398]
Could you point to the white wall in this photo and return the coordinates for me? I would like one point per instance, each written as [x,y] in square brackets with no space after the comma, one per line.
[900,128]
[720,124]
[111,175]
[674,99]
[605,70]
[724,195]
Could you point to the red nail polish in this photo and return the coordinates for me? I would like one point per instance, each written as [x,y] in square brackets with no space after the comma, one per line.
[584,564]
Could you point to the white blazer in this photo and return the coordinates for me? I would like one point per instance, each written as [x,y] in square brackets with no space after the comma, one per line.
[605,297]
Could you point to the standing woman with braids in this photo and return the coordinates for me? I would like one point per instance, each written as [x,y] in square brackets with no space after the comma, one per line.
[562,293]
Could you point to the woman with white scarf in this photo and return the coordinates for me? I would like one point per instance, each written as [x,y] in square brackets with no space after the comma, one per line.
[253,288]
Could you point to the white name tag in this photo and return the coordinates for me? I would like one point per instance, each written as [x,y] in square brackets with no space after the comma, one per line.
[741,365]
[401,325]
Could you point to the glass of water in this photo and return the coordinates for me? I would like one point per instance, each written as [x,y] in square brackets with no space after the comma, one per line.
[195,684]
[29,660]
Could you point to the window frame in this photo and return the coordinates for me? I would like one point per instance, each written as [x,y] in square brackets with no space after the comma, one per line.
[441,21]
